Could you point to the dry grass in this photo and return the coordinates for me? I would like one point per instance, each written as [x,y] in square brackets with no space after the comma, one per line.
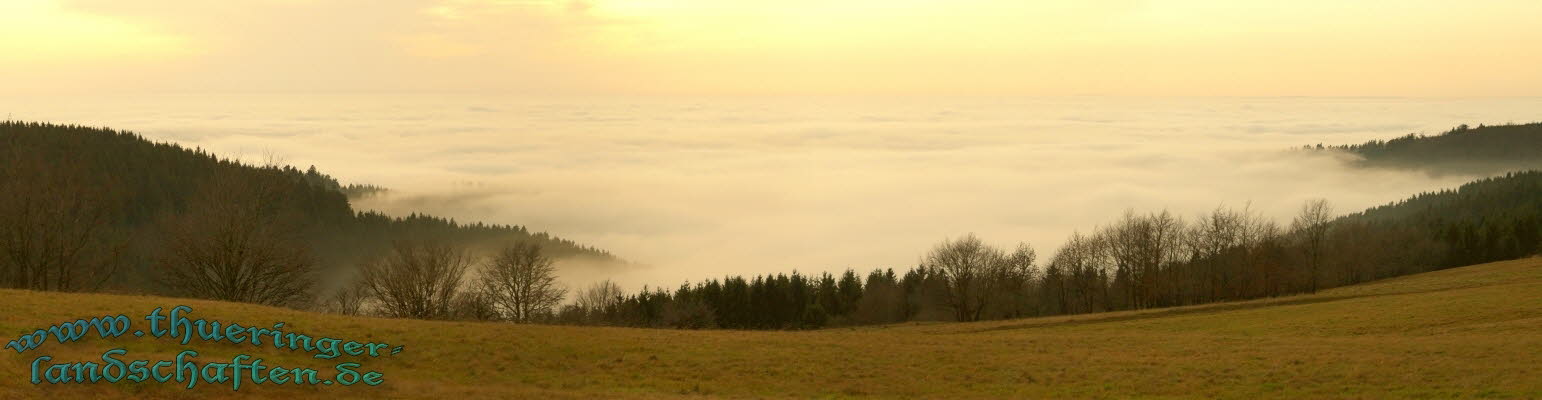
[1465,332]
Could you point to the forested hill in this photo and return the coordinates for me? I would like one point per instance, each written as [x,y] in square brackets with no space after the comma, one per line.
[123,197]
[1485,150]
[1490,219]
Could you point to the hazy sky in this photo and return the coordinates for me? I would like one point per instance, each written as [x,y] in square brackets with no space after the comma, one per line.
[756,47]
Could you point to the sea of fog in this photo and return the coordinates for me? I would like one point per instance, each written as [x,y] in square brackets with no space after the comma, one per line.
[690,188]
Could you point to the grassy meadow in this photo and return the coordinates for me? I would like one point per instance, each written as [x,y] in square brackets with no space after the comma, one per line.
[1466,332]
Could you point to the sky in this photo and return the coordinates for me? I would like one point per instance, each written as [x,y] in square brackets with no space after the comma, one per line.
[1434,48]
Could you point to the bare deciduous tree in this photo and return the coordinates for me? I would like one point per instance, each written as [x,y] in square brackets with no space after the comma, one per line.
[348,300]
[233,244]
[54,232]
[416,279]
[475,305]
[522,283]
[1311,227]
[599,297]
[974,273]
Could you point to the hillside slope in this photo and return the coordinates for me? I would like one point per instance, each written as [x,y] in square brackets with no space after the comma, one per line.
[125,192]
[1484,150]
[1473,331]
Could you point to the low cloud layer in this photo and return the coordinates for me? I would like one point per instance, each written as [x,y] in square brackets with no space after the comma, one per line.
[699,188]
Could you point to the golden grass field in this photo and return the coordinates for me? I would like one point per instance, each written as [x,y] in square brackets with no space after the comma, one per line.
[1467,332]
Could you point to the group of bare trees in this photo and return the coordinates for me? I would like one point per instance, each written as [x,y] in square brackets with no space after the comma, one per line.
[55,232]
[978,276]
[426,280]
[1157,260]
[1139,261]
[1220,241]
[1140,248]
[602,295]
[600,302]
[416,280]
[233,244]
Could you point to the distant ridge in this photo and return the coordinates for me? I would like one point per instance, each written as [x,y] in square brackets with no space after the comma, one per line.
[1484,150]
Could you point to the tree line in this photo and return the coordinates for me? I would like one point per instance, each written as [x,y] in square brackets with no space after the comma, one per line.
[1140,260]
